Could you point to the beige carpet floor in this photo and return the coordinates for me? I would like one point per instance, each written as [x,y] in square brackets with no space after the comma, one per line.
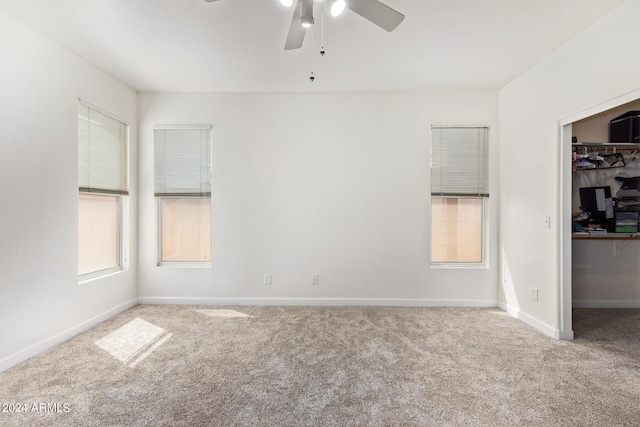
[331,366]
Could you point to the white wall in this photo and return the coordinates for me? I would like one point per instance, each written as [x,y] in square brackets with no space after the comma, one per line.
[332,184]
[595,67]
[41,301]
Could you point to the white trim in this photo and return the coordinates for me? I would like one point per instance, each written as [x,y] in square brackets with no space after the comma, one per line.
[565,228]
[566,335]
[535,323]
[462,265]
[107,113]
[63,336]
[381,302]
[597,109]
[99,274]
[168,127]
[606,303]
[459,126]
[185,264]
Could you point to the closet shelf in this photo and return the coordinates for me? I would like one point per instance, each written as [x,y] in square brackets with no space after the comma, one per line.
[605,236]
[630,145]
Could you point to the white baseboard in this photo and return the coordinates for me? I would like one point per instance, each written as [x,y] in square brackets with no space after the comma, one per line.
[46,344]
[542,327]
[606,304]
[382,302]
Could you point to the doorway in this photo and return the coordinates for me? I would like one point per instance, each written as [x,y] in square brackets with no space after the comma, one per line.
[566,129]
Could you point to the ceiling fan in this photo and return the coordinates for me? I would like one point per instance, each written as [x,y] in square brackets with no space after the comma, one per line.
[372,10]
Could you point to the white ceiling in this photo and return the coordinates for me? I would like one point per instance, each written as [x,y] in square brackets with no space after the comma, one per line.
[237,45]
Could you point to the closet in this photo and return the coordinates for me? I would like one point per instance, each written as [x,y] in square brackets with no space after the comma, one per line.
[605,265]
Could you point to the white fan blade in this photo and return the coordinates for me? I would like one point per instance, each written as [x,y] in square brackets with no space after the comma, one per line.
[296,30]
[378,13]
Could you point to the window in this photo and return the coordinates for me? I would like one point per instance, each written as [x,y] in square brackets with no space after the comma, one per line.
[183,193]
[103,189]
[459,193]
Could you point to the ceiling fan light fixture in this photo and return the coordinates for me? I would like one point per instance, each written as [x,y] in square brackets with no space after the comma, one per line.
[306,13]
[337,7]
[287,3]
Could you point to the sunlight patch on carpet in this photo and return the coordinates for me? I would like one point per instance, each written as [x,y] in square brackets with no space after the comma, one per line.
[134,341]
[499,312]
[222,313]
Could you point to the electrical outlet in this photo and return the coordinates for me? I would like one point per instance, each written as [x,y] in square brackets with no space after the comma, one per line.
[534,294]
[315,279]
[267,279]
[547,222]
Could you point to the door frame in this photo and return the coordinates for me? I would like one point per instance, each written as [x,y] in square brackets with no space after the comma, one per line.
[564,203]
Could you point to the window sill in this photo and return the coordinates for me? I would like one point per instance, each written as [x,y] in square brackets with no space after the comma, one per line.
[184,264]
[462,265]
[90,277]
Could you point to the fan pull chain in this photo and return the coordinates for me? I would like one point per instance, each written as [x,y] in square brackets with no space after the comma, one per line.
[322,31]
[313,44]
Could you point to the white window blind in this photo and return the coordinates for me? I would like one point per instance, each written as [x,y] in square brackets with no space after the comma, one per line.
[459,161]
[102,153]
[183,162]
